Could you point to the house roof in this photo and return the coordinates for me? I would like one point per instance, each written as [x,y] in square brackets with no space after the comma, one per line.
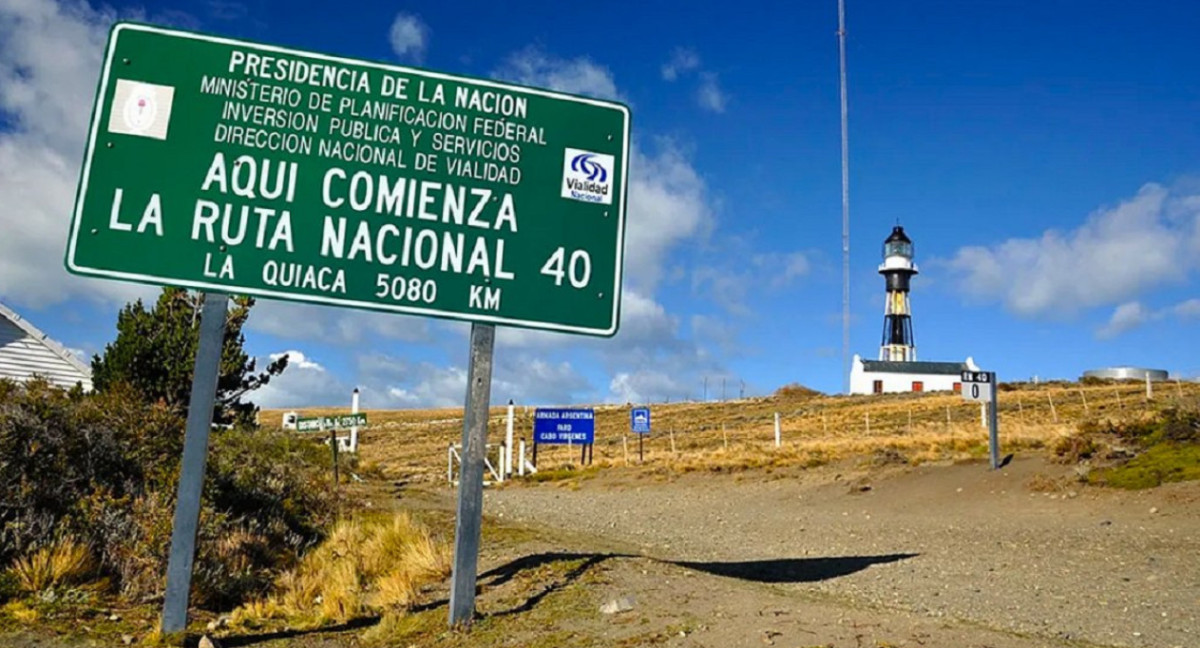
[942,368]
[36,334]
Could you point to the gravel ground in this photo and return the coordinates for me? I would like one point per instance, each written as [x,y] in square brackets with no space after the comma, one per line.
[959,542]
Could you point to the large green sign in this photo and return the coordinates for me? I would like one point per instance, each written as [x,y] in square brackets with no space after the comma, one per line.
[231,166]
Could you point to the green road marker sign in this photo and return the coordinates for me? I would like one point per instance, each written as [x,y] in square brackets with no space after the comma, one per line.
[325,423]
[224,165]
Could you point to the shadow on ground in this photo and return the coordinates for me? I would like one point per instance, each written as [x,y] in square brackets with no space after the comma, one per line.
[792,570]
[783,570]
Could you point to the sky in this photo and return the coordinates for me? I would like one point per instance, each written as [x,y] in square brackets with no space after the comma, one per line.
[1043,156]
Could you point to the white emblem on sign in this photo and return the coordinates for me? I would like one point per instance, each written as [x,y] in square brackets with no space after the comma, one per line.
[142,109]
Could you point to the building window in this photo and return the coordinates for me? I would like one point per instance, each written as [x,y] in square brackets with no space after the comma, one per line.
[957,388]
[918,386]
[878,387]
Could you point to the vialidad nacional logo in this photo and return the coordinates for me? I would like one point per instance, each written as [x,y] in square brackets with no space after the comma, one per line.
[587,176]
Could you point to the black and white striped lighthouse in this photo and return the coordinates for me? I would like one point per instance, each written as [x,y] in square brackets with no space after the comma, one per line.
[897,268]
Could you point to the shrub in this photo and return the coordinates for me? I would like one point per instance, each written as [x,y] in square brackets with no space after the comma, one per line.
[100,471]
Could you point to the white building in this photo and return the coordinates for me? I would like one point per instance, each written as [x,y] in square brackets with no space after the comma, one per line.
[887,377]
[26,352]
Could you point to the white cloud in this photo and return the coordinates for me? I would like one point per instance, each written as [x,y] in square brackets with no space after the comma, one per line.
[1131,315]
[304,383]
[682,60]
[709,95]
[298,360]
[49,63]
[729,285]
[1116,254]
[1126,317]
[1189,309]
[532,66]
[409,37]
[668,203]
[332,325]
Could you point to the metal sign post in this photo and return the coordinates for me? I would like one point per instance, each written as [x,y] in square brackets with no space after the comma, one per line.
[468,521]
[981,386]
[639,424]
[195,454]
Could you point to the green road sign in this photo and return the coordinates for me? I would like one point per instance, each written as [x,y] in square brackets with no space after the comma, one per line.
[231,166]
[324,423]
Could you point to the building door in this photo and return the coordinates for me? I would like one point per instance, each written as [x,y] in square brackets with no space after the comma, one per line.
[878,387]
[918,386]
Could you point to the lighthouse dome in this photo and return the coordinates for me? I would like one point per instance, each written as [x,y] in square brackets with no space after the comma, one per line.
[898,244]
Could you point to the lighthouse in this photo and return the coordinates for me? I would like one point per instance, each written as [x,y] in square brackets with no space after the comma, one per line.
[897,269]
[897,369]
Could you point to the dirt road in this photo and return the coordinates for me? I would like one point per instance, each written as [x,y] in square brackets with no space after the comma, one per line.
[935,556]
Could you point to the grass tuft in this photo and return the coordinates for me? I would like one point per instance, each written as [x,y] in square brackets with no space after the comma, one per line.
[62,564]
[364,567]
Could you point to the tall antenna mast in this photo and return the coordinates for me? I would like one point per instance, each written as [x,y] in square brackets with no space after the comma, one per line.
[845,202]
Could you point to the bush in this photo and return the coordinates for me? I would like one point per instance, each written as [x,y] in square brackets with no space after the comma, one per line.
[102,469]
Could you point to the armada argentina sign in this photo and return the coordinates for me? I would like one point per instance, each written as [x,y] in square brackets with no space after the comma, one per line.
[226,165]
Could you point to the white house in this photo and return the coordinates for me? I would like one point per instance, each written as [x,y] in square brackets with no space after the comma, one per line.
[26,352]
[886,377]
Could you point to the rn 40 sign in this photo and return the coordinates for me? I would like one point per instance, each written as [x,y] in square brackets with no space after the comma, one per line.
[274,172]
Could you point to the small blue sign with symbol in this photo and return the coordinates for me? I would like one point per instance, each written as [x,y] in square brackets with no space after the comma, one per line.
[564,425]
[639,420]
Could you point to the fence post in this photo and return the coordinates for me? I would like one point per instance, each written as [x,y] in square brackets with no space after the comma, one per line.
[724,437]
[354,428]
[777,430]
[1149,390]
[625,446]
[671,431]
[521,458]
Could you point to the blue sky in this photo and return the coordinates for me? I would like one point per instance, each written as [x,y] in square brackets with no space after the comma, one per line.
[1044,157]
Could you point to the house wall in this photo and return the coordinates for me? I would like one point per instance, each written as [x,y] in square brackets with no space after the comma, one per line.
[864,382]
[22,357]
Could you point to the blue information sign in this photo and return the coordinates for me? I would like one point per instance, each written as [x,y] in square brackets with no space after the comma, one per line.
[639,420]
[564,425]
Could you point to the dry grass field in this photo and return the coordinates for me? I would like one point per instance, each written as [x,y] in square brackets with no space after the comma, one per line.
[815,428]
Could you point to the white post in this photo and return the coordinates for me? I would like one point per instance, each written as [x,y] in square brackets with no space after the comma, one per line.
[1149,390]
[777,431]
[1083,396]
[625,445]
[1053,411]
[983,414]
[521,457]
[724,437]
[354,428]
[450,464]
[506,463]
